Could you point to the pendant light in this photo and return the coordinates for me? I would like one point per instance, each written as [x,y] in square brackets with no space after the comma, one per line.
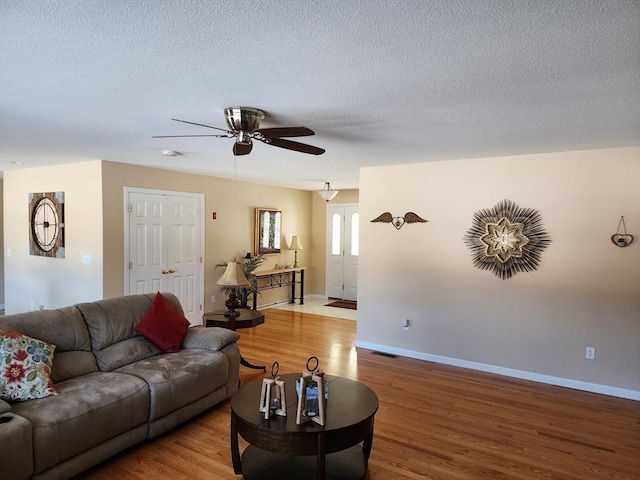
[326,192]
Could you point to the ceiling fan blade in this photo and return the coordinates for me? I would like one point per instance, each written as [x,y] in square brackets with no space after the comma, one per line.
[286,132]
[242,148]
[297,146]
[202,125]
[178,136]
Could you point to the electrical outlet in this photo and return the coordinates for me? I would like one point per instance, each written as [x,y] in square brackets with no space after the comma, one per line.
[214,298]
[591,353]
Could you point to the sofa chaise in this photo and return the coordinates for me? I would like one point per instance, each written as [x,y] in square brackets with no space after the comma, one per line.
[110,387]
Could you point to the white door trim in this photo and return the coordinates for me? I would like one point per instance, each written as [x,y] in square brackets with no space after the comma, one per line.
[126,192]
[344,233]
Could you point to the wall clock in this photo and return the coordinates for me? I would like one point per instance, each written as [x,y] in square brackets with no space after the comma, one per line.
[46,224]
[507,239]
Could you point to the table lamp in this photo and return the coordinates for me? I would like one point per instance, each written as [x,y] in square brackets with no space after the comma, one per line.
[234,278]
[295,246]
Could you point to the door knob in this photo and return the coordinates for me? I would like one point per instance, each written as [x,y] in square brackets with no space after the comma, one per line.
[165,271]
[172,270]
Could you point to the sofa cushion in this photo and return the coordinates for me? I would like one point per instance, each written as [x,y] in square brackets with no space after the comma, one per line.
[25,367]
[177,379]
[88,411]
[163,326]
[110,324]
[64,328]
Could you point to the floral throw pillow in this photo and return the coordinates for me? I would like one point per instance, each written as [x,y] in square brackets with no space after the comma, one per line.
[25,367]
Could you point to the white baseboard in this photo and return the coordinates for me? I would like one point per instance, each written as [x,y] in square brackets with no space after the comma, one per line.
[279,302]
[508,372]
[267,305]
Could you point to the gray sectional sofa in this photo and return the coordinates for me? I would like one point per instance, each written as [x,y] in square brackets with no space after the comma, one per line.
[115,388]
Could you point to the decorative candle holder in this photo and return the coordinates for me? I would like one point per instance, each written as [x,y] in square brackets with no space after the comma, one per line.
[272,397]
[312,395]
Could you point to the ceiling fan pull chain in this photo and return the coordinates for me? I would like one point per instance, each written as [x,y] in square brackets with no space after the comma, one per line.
[235,175]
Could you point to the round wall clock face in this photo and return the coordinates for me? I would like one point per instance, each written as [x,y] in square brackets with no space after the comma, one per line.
[47,224]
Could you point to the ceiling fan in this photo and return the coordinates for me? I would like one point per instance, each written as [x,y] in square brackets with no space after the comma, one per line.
[244,125]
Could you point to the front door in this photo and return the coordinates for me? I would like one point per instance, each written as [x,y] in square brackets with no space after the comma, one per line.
[165,247]
[343,223]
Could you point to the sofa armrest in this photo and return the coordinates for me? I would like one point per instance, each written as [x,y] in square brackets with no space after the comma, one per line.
[212,338]
[16,447]
[4,407]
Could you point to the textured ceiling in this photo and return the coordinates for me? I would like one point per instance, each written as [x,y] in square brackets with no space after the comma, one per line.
[380,81]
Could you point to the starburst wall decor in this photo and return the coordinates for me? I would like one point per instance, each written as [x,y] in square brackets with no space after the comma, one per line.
[506,239]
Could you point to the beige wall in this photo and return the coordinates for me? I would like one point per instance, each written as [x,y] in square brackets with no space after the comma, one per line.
[227,237]
[31,281]
[1,243]
[586,291]
[94,215]
[95,205]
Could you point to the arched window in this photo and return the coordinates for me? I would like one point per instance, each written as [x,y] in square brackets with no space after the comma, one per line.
[335,239]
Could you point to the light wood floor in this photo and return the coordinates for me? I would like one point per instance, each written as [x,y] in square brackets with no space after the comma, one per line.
[435,422]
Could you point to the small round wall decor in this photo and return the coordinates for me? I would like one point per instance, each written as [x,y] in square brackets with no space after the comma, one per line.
[621,239]
[506,239]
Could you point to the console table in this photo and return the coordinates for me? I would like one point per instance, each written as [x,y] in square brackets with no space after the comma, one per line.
[280,277]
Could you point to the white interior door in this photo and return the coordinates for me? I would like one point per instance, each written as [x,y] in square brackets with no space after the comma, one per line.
[165,246]
[343,226]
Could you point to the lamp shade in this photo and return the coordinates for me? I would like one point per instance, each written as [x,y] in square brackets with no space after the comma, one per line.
[233,276]
[326,193]
[295,243]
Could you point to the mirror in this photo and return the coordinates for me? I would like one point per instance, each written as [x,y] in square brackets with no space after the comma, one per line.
[267,234]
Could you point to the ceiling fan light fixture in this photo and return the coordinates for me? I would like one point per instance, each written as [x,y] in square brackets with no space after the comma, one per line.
[327,193]
[243,119]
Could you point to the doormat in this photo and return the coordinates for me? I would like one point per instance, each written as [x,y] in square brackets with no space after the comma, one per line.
[350,304]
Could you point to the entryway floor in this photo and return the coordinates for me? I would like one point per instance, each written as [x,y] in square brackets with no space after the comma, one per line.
[316,306]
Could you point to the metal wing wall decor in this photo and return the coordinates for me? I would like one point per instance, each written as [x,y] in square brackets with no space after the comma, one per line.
[398,222]
[506,239]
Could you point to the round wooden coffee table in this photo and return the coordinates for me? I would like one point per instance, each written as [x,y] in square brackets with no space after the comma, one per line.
[279,448]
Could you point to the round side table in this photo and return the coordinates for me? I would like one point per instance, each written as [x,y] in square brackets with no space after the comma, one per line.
[246,319]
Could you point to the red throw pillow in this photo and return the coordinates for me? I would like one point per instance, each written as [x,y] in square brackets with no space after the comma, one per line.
[163,326]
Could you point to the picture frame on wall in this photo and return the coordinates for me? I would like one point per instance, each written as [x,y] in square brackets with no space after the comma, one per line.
[268,231]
